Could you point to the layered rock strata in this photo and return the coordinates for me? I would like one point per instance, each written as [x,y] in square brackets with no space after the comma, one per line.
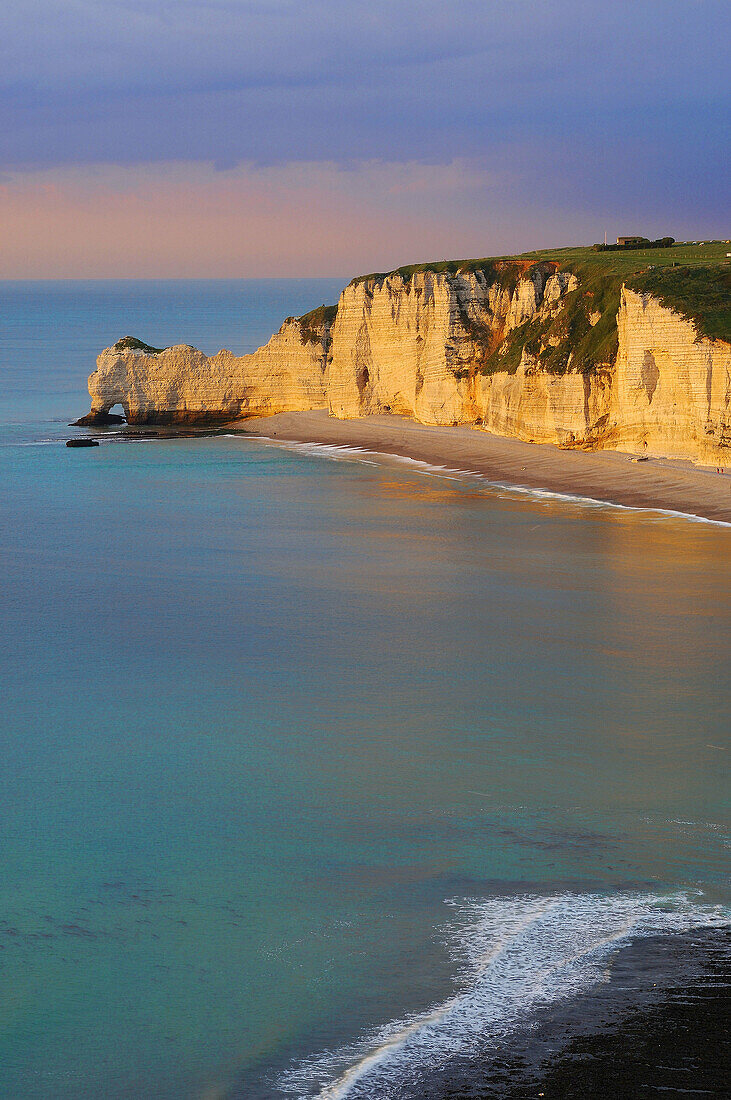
[441,348]
[418,346]
[181,385]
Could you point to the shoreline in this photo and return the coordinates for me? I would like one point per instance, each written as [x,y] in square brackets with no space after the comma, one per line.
[657,1014]
[610,477]
[658,1023]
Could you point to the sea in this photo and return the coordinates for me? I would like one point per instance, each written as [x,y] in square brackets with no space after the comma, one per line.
[324,773]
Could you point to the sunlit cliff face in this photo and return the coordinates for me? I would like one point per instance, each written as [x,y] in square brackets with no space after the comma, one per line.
[437,348]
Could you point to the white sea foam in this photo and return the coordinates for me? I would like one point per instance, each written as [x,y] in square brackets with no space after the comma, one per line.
[337,451]
[37,443]
[514,955]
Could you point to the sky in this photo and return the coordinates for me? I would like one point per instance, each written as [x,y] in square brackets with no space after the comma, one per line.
[227,138]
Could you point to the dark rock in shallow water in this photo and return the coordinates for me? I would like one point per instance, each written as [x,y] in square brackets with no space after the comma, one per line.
[98,419]
[82,443]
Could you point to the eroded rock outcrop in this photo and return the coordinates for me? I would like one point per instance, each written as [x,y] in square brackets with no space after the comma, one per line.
[181,385]
[520,349]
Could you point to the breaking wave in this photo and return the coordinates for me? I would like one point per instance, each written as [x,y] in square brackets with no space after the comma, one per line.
[335,451]
[514,955]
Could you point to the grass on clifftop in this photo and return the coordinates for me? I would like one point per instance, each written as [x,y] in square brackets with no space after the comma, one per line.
[703,294]
[582,261]
[131,343]
[439,267]
[312,323]
[693,279]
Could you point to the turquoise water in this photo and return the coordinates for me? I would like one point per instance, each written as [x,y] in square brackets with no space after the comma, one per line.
[317,768]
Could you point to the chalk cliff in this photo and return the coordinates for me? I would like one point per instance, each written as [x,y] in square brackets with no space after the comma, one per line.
[181,385]
[517,348]
[418,346]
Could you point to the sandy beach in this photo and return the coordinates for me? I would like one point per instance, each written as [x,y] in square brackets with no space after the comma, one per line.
[602,475]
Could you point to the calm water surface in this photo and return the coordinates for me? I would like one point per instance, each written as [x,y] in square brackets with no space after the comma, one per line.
[316,770]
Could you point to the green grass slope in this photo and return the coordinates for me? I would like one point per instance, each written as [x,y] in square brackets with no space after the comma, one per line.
[701,293]
[313,323]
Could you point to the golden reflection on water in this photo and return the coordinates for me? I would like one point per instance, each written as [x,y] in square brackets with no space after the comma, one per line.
[600,626]
[524,646]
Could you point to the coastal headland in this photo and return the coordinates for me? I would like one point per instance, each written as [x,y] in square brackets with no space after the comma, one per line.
[585,350]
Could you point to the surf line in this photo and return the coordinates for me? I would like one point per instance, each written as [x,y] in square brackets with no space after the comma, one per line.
[339,1088]
[448,473]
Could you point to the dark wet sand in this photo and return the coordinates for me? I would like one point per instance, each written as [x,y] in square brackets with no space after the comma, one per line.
[660,1027]
[602,475]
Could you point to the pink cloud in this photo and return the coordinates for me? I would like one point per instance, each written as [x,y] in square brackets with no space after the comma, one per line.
[189,220]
